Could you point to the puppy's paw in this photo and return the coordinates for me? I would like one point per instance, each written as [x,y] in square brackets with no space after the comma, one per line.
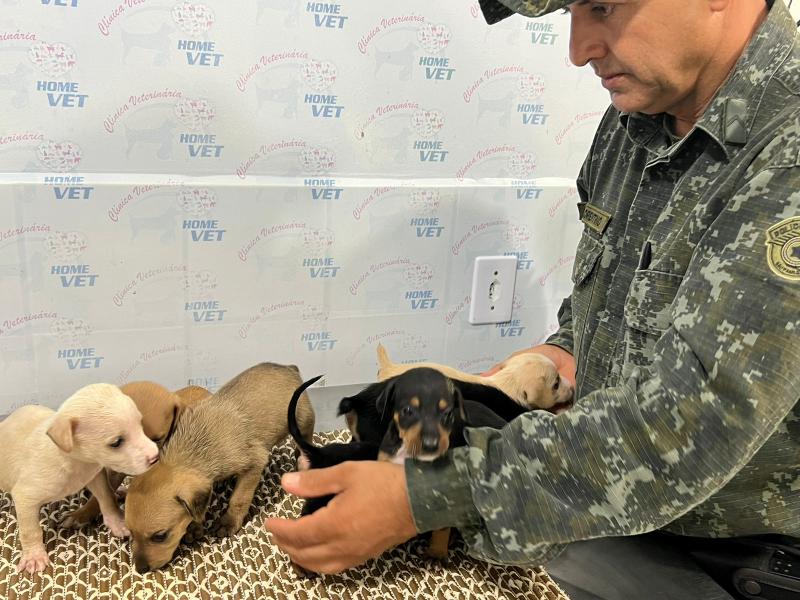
[34,560]
[78,519]
[437,552]
[116,525]
[227,526]
[194,533]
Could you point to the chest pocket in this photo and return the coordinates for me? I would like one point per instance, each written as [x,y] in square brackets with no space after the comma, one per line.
[648,310]
[589,250]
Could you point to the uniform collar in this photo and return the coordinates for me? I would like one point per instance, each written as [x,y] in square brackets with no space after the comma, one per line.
[731,113]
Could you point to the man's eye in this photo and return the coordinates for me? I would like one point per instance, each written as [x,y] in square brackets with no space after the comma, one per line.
[602,9]
[117,442]
[159,537]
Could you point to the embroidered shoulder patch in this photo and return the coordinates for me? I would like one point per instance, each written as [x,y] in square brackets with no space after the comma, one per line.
[595,218]
[783,248]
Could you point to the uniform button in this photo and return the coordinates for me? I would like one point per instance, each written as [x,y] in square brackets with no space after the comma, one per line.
[751,587]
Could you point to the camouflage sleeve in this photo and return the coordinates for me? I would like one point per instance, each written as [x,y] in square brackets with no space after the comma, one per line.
[563,338]
[630,459]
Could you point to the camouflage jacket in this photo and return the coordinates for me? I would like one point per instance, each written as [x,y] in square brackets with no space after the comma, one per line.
[685,323]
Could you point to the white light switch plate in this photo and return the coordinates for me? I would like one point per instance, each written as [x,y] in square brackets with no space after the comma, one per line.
[493,279]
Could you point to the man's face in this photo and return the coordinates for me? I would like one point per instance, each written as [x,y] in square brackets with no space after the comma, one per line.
[649,54]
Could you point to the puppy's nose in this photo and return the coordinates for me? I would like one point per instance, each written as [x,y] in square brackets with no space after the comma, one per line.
[430,443]
[152,460]
[142,566]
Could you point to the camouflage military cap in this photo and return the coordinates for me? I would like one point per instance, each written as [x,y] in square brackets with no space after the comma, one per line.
[497,10]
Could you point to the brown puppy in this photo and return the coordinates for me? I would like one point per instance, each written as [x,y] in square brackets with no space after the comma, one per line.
[530,379]
[160,410]
[230,433]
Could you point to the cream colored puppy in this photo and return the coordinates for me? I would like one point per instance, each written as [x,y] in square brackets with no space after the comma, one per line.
[49,455]
[529,379]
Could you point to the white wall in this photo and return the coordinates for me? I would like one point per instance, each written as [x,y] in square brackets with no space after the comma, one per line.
[133,247]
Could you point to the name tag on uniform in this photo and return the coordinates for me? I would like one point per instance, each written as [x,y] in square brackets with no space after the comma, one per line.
[595,218]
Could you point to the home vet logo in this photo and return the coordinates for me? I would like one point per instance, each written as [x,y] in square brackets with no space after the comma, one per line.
[320,339]
[326,14]
[428,123]
[434,38]
[197,202]
[425,203]
[521,166]
[517,236]
[319,160]
[783,249]
[541,32]
[315,315]
[203,308]
[196,114]
[71,333]
[531,87]
[320,76]
[59,157]
[194,20]
[317,241]
[55,59]
[418,275]
[70,3]
[65,248]
[201,230]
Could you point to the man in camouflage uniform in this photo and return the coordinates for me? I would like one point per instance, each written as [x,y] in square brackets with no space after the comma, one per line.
[684,321]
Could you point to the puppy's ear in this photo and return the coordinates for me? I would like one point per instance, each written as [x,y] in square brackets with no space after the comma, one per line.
[178,408]
[61,432]
[385,400]
[458,400]
[195,504]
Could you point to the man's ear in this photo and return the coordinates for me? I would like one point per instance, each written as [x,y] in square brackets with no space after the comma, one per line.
[195,504]
[61,431]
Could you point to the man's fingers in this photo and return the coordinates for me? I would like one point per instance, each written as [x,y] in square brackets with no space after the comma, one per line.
[314,483]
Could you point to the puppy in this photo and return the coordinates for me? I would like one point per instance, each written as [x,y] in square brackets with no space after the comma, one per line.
[320,457]
[368,413]
[530,379]
[427,416]
[230,433]
[160,410]
[49,455]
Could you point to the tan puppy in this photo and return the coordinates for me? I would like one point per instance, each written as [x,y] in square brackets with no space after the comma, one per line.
[160,410]
[530,379]
[231,433]
[49,455]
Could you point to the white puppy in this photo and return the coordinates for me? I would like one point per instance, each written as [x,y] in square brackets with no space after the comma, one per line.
[49,455]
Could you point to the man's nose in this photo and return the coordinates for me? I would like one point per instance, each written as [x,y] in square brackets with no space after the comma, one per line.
[586,41]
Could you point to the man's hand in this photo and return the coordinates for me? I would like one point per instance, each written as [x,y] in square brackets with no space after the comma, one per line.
[564,361]
[369,514]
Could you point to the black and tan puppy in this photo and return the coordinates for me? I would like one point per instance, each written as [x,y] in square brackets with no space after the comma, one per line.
[368,413]
[320,457]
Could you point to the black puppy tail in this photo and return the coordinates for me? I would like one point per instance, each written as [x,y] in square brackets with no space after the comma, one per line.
[307,447]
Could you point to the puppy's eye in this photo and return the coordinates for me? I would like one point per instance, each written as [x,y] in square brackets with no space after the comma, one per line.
[157,440]
[524,396]
[555,385]
[159,537]
[406,411]
[117,442]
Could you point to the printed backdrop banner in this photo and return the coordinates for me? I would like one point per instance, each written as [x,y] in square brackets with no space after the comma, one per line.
[188,188]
